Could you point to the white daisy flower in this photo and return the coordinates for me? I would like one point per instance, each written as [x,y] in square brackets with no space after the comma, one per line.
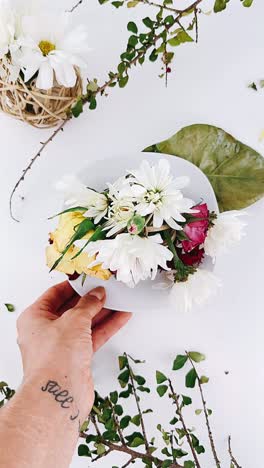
[52,50]
[133,258]
[195,291]
[227,231]
[7,28]
[161,195]
[77,194]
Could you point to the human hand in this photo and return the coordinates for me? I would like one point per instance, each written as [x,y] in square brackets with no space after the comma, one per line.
[58,335]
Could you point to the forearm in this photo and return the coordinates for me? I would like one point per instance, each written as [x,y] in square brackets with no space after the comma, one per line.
[39,427]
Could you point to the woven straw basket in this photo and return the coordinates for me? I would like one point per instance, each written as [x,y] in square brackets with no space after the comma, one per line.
[37,107]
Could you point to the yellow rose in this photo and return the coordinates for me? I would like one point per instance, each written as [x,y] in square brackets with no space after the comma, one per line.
[59,240]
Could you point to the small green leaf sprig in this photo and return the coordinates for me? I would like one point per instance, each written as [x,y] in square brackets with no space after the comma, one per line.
[111,428]
[6,393]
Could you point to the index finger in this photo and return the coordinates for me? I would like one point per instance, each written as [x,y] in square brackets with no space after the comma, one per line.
[55,297]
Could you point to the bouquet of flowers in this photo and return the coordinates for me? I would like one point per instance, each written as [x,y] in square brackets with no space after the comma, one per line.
[41,62]
[139,227]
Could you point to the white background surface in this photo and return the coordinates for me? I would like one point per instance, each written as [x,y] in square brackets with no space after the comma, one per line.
[208,84]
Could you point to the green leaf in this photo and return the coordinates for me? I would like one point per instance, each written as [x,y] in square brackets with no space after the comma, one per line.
[253,86]
[160,378]
[114,397]
[98,234]
[209,411]
[132,4]
[124,422]
[189,464]
[235,170]
[83,451]
[180,38]
[124,378]
[179,453]
[77,109]
[118,410]
[220,5]
[132,27]
[117,4]
[174,421]
[136,420]
[186,400]
[100,449]
[92,86]
[196,357]
[148,22]
[84,426]
[80,231]
[198,412]
[135,440]
[10,307]
[3,385]
[203,379]
[179,361]
[132,41]
[69,210]
[191,378]
[139,379]
[247,3]
[153,56]
[122,360]
[143,389]
[123,81]
[162,389]
[198,448]
[93,103]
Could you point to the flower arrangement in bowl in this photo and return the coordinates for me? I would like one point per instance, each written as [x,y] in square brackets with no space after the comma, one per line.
[42,61]
[141,229]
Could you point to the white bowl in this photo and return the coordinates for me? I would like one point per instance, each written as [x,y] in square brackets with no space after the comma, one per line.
[143,296]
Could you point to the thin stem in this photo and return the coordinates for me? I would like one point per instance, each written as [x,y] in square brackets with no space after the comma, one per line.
[233,460]
[25,171]
[138,405]
[128,462]
[75,6]
[206,415]
[115,418]
[157,5]
[196,25]
[179,412]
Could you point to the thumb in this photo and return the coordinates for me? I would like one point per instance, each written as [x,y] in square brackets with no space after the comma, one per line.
[90,304]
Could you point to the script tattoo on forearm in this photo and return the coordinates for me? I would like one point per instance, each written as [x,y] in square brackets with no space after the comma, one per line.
[63,397]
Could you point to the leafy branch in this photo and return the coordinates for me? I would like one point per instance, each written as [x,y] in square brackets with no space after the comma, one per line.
[110,428]
[159,37]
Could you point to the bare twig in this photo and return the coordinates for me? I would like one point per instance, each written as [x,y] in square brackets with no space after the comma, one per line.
[75,6]
[179,412]
[25,171]
[234,461]
[196,25]
[206,415]
[128,462]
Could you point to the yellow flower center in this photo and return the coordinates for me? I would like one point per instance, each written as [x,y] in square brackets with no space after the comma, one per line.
[46,47]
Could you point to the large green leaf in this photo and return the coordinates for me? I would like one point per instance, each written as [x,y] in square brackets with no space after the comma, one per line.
[235,170]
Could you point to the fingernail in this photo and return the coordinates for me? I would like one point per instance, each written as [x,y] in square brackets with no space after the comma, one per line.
[99,293]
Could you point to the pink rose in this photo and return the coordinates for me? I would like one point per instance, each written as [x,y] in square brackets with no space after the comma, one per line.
[196,230]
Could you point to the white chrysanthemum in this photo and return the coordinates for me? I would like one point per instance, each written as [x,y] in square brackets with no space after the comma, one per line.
[226,232]
[133,258]
[195,291]
[7,28]
[119,214]
[77,194]
[51,49]
[161,195]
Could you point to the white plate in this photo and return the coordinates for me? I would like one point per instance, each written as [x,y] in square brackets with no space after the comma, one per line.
[96,175]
